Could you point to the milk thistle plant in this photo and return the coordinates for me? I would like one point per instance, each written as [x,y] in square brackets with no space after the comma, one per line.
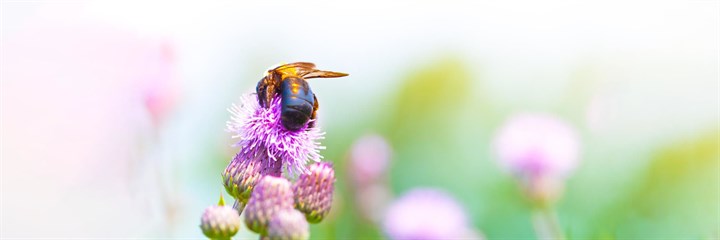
[269,179]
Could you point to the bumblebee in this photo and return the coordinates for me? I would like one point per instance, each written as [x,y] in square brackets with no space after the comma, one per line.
[298,103]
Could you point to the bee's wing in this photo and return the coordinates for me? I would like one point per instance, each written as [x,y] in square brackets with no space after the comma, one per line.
[307,70]
[297,65]
[323,74]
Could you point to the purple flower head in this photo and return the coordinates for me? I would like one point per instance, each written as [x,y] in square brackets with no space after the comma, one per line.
[263,137]
[369,159]
[537,145]
[426,214]
[314,191]
[270,195]
[288,224]
[220,222]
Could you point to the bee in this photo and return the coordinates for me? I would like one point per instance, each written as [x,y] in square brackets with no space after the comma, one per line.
[298,103]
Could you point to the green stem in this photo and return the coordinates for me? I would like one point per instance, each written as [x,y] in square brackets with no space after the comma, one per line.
[239,206]
[546,224]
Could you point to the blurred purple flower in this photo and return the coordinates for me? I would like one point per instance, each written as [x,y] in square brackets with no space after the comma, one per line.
[541,151]
[263,137]
[537,145]
[270,195]
[426,214]
[369,159]
[314,191]
[288,224]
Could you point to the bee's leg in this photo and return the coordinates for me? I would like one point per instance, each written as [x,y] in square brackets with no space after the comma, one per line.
[314,112]
[265,92]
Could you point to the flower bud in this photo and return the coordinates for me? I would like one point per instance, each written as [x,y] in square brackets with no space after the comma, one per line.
[314,191]
[288,224]
[220,222]
[271,195]
[240,178]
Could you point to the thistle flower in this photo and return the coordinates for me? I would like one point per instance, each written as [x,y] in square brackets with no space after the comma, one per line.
[263,136]
[540,150]
[288,224]
[426,214]
[369,159]
[537,144]
[314,191]
[220,222]
[270,195]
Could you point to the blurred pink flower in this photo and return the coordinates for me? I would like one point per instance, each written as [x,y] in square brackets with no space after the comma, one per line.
[369,158]
[541,151]
[159,88]
[427,214]
[532,145]
[73,111]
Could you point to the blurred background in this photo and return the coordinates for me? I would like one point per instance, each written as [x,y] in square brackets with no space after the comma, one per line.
[113,112]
